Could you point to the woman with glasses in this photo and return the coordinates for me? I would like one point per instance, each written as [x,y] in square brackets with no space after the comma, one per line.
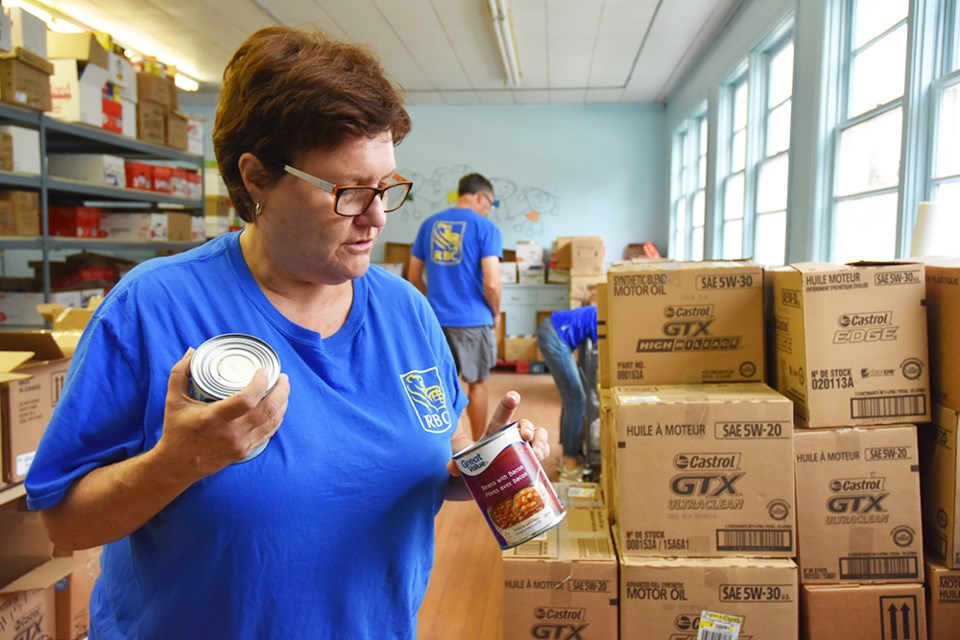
[328,532]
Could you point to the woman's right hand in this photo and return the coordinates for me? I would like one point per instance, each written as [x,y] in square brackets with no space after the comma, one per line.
[201,438]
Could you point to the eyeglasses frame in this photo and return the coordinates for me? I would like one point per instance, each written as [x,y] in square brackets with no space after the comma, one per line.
[336,190]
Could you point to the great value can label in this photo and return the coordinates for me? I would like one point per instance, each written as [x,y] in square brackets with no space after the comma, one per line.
[510,486]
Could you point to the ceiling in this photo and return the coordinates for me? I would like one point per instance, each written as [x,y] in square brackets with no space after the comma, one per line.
[443,52]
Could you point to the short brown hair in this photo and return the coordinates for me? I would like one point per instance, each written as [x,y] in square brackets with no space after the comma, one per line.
[287,91]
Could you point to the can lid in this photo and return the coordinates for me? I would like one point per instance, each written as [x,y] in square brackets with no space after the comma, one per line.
[225,364]
[484,440]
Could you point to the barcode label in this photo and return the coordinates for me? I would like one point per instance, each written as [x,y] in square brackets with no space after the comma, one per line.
[591,548]
[888,407]
[879,568]
[754,540]
[718,626]
[716,635]
[531,548]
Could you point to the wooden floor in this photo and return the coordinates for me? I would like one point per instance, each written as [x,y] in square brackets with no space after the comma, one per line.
[464,599]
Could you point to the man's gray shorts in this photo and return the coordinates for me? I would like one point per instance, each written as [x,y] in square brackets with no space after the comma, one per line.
[474,350]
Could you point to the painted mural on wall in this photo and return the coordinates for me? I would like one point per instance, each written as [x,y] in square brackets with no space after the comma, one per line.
[522,212]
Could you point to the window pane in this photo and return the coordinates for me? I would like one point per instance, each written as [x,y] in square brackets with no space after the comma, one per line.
[778,129]
[696,252]
[866,229]
[702,172]
[772,184]
[873,18]
[703,136]
[678,250]
[681,215]
[771,238]
[738,151]
[948,134]
[878,73]
[948,193]
[733,197]
[732,239]
[780,76]
[699,209]
[739,107]
[870,154]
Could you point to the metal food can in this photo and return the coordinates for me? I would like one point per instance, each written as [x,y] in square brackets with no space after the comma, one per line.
[510,486]
[225,364]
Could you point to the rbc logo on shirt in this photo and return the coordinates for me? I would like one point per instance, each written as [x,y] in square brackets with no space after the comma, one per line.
[426,395]
[446,242]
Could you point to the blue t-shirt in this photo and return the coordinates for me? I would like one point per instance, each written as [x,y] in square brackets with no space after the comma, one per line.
[326,534]
[452,243]
[575,325]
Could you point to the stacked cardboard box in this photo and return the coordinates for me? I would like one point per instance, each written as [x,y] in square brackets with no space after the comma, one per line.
[24,70]
[849,347]
[577,261]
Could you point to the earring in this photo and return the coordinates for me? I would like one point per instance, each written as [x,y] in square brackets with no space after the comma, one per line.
[257,209]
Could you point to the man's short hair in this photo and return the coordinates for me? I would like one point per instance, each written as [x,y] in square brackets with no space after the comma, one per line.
[473,183]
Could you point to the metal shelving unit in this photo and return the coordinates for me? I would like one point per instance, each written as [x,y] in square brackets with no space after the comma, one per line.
[63,137]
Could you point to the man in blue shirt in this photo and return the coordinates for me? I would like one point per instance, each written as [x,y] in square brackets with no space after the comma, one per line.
[459,250]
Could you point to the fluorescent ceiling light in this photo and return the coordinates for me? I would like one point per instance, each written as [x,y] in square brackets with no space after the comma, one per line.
[503,28]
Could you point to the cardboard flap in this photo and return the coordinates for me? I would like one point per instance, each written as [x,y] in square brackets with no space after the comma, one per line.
[46,575]
[9,361]
[42,343]
[29,58]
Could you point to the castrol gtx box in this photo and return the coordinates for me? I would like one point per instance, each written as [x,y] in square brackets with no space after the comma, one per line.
[943,309]
[863,612]
[563,583]
[662,598]
[851,342]
[940,485]
[703,470]
[943,601]
[858,505]
[681,323]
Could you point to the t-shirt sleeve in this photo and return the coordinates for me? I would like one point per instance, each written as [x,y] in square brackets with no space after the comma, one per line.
[98,419]
[493,242]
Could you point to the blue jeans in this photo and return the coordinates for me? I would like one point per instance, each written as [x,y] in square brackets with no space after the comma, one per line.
[563,367]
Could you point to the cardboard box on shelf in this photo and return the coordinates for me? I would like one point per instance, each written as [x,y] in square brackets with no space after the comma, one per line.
[851,342]
[75,222]
[82,47]
[828,612]
[28,31]
[139,175]
[112,115]
[19,213]
[6,38]
[161,178]
[176,130]
[665,596]
[520,349]
[580,255]
[943,307]
[151,122]
[563,581]
[195,136]
[25,80]
[531,274]
[122,74]
[31,609]
[681,323]
[713,464]
[125,226]
[20,306]
[77,91]
[26,149]
[397,252]
[582,288]
[942,600]
[178,227]
[528,255]
[96,168]
[637,250]
[220,206]
[858,505]
[153,88]
[508,272]
[6,151]
[940,481]
[72,594]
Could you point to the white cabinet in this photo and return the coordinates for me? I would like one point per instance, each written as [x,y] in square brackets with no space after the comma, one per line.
[521,302]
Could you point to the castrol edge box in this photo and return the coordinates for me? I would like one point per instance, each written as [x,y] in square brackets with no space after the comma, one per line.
[703,470]
[858,505]
[940,485]
[863,612]
[851,342]
[943,309]
[681,323]
[943,601]
[662,598]
[563,584]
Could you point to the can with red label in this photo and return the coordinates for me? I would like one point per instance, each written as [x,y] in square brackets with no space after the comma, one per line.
[510,486]
[225,364]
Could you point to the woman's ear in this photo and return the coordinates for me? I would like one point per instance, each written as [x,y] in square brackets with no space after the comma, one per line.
[253,174]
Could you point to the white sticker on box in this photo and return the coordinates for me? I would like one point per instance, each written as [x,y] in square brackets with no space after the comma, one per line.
[640,399]
[20,96]
[24,460]
[718,626]
[581,492]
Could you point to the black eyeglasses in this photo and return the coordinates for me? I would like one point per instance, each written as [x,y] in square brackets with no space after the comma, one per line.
[353,200]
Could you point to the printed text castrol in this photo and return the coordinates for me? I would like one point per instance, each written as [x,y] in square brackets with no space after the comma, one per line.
[507,481]
[225,364]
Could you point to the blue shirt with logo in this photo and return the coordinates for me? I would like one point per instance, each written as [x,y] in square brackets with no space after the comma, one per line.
[326,534]
[452,243]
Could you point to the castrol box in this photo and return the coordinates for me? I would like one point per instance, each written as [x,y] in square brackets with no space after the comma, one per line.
[863,612]
[943,600]
[662,598]
[667,322]
[563,584]
[940,485]
[703,470]
[851,342]
[943,308]
[858,505]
